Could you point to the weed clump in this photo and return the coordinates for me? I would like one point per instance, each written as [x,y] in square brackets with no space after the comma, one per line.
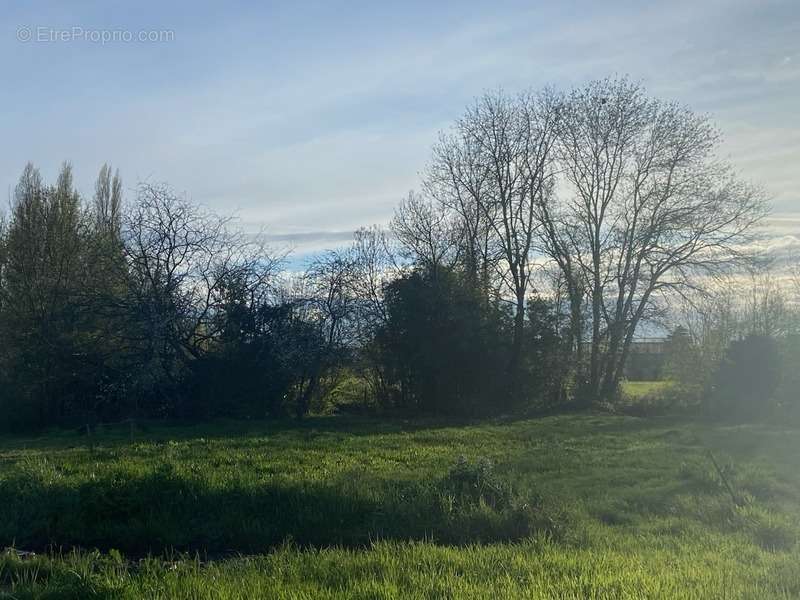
[476,483]
[478,504]
[768,530]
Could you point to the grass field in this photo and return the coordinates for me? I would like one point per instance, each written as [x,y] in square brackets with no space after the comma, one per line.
[575,506]
[642,389]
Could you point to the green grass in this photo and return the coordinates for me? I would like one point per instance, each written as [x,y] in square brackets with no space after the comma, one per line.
[563,507]
[642,389]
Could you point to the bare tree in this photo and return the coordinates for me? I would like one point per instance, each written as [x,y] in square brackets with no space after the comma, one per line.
[180,261]
[455,180]
[766,309]
[327,301]
[649,210]
[557,241]
[494,170]
[425,233]
[373,263]
[329,284]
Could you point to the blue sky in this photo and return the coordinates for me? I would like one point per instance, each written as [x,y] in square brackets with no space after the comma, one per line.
[314,118]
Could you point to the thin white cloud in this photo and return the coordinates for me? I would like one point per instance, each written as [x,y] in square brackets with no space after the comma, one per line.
[331,141]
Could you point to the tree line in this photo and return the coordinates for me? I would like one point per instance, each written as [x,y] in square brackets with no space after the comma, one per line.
[548,228]
[737,352]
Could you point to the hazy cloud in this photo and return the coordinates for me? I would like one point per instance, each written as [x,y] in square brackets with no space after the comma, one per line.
[314,120]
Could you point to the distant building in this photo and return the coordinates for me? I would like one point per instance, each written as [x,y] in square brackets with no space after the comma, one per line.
[651,345]
[646,360]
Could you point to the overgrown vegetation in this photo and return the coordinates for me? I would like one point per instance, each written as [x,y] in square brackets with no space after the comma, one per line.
[570,506]
[550,227]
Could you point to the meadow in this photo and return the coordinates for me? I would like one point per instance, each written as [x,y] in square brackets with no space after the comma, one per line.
[570,506]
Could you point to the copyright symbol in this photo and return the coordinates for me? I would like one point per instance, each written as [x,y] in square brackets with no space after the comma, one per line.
[24,34]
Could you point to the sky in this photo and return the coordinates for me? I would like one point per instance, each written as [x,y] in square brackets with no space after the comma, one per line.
[311,119]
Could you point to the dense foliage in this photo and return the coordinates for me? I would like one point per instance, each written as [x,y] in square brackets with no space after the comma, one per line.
[549,228]
[152,309]
[156,308]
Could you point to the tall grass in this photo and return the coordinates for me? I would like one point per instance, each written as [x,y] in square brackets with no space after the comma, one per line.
[573,506]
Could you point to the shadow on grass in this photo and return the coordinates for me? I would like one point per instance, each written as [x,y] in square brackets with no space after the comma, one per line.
[160,511]
[122,434]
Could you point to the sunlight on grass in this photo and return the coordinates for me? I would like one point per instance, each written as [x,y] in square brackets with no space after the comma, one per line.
[641,389]
[567,506]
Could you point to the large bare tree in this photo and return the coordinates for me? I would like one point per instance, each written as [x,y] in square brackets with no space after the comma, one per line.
[649,210]
[624,193]
[494,170]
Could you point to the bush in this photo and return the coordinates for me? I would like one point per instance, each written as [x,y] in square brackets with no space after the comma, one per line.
[475,503]
[788,393]
[443,347]
[476,483]
[747,380]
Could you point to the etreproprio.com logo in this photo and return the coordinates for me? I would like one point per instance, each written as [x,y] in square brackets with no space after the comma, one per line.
[43,34]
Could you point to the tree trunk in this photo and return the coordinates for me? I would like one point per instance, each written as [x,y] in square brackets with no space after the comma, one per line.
[304,402]
[611,362]
[594,367]
[515,364]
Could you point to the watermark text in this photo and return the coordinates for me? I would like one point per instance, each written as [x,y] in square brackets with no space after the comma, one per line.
[53,35]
